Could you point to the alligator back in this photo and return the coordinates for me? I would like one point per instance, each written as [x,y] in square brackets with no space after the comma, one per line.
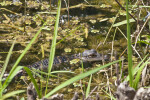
[86,56]
[43,64]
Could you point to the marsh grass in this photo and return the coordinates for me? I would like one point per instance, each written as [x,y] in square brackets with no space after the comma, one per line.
[134,74]
[138,70]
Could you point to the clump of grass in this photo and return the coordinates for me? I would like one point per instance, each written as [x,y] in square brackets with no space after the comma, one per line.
[137,71]
[133,82]
[16,68]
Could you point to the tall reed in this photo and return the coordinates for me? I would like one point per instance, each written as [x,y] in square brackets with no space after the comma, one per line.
[53,46]
[129,46]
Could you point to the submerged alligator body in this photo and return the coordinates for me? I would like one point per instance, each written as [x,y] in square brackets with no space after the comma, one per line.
[86,56]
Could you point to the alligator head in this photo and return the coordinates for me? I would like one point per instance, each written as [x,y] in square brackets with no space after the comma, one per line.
[92,56]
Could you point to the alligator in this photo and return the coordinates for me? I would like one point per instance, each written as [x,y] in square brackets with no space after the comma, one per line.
[86,56]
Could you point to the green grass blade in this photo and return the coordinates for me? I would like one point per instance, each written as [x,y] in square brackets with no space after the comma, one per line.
[138,76]
[129,47]
[78,77]
[39,73]
[7,60]
[52,51]
[88,88]
[62,71]
[53,46]
[33,81]
[123,22]
[22,98]
[11,94]
[5,65]
[53,72]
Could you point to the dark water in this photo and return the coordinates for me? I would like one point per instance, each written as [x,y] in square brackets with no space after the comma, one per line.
[78,14]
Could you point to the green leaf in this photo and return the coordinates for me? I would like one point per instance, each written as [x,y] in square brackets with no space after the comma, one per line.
[123,22]
[33,81]
[143,42]
[11,94]
[53,46]
[7,60]
[88,88]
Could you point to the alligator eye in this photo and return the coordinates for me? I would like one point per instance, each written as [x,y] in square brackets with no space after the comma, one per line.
[91,56]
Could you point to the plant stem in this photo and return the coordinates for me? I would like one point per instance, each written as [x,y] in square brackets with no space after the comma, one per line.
[129,47]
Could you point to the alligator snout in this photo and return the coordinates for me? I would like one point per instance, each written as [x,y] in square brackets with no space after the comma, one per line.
[106,57]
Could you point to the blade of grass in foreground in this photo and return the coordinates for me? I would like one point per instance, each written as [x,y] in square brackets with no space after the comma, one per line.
[78,77]
[33,81]
[11,94]
[53,46]
[7,81]
[88,88]
[52,50]
[35,71]
[123,22]
[130,69]
[5,66]
[7,60]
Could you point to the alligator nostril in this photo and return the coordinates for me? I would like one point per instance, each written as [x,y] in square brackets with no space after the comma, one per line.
[106,57]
